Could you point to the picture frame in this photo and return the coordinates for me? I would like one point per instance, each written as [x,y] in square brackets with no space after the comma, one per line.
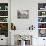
[23,14]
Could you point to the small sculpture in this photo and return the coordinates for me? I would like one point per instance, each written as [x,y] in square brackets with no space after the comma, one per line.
[13,27]
[31,27]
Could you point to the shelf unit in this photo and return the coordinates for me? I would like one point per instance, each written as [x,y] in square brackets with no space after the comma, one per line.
[4,19]
[42,19]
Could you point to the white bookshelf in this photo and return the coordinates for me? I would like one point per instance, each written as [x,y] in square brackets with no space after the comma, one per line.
[4,17]
[42,19]
[5,35]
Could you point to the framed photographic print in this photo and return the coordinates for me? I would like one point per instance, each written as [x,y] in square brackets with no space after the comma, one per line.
[22,14]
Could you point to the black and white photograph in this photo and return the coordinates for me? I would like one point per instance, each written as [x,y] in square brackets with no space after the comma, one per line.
[22,14]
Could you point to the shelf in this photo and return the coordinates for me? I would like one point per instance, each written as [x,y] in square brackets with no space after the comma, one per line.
[42,16]
[41,28]
[41,10]
[41,22]
[3,22]
[3,10]
[3,16]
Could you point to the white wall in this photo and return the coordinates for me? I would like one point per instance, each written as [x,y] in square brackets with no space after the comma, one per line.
[23,24]
[32,6]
